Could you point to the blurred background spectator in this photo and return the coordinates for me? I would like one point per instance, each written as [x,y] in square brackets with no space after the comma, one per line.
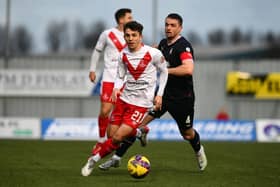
[222,114]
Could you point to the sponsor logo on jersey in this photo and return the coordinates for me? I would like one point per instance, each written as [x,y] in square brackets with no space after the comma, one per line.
[142,82]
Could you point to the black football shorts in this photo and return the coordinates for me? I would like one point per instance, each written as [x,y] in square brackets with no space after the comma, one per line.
[182,111]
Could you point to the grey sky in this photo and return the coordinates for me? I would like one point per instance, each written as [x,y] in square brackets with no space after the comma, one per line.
[199,15]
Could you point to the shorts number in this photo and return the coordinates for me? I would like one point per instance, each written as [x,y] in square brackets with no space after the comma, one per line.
[137,116]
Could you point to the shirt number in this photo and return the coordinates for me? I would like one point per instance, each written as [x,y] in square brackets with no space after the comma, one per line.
[137,116]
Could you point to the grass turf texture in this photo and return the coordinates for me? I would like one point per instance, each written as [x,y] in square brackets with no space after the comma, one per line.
[58,163]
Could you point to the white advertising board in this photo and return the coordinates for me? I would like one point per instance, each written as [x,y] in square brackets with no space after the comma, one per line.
[20,128]
[268,130]
[73,83]
[70,129]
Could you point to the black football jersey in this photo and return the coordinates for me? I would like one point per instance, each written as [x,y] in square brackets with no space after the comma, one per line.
[177,86]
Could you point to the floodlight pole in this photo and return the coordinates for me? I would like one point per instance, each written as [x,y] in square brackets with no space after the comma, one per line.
[7,49]
[154,21]
[7,45]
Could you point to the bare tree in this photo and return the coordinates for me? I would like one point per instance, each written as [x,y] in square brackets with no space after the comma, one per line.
[216,37]
[2,40]
[79,34]
[236,36]
[57,35]
[194,38]
[273,42]
[92,35]
[21,40]
[248,37]
[270,38]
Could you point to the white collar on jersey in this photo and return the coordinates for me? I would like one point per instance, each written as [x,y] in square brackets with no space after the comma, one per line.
[174,40]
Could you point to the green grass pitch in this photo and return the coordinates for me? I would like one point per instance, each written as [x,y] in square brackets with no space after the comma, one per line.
[58,163]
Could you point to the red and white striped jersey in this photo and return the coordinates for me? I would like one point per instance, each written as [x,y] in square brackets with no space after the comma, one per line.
[140,69]
[112,42]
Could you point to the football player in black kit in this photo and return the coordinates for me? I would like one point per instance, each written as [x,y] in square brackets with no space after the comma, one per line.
[179,97]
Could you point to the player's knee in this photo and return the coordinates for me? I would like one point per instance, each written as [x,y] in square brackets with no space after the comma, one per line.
[117,138]
[188,134]
[104,112]
[105,109]
[187,137]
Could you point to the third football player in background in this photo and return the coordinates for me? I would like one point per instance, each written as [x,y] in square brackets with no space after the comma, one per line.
[112,42]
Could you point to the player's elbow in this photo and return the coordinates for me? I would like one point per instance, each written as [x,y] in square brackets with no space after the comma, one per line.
[187,68]
[188,72]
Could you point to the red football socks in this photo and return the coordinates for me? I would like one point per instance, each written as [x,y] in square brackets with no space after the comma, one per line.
[107,147]
[102,124]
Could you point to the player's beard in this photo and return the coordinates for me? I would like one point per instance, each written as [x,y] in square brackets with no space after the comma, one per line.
[169,35]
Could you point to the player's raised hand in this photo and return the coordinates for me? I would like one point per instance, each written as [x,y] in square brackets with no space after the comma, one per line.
[92,76]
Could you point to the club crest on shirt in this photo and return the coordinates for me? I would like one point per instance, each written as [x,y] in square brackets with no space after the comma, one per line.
[171,50]
[142,64]
[188,49]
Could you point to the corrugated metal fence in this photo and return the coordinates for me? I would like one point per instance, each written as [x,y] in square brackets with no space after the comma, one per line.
[209,80]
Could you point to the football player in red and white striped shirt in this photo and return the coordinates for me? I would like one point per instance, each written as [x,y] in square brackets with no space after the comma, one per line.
[110,41]
[139,64]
